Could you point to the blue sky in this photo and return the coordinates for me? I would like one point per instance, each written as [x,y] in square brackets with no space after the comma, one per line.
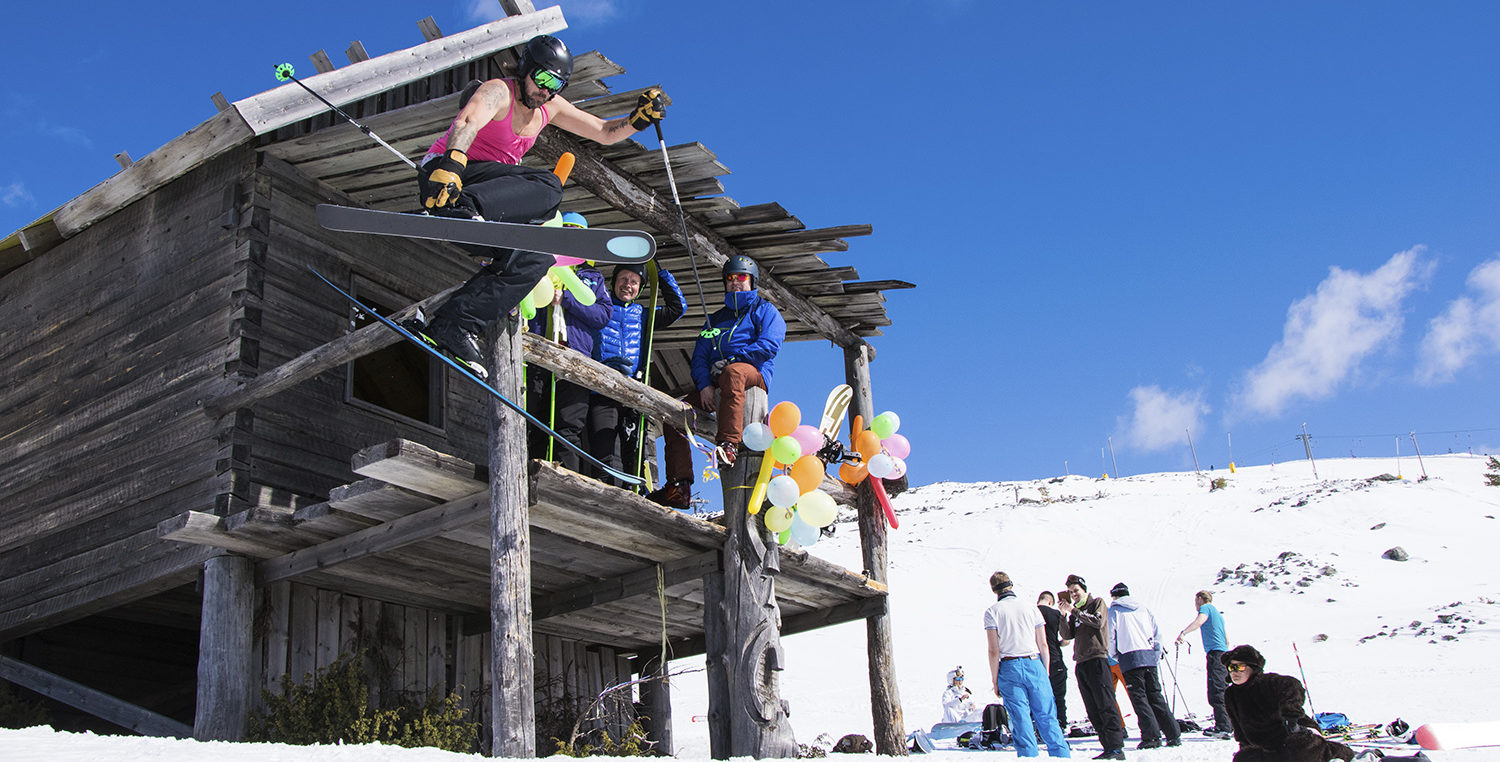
[1127,221]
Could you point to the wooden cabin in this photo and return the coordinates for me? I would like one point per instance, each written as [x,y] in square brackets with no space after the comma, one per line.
[214,474]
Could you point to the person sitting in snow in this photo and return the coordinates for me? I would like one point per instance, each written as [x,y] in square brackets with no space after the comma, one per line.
[958,700]
[1266,711]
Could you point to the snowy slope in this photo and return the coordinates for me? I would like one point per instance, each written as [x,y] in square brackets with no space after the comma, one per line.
[1379,639]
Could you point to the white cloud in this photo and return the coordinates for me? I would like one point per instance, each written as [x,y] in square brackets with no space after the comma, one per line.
[15,194]
[1162,419]
[1468,328]
[577,12]
[1330,332]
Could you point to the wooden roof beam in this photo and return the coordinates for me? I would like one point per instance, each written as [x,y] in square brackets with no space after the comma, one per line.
[626,192]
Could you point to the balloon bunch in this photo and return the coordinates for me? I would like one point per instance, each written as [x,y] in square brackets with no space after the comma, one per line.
[799,506]
[882,455]
[559,276]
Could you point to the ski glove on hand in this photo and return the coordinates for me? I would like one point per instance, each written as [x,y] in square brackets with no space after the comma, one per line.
[717,369]
[444,179]
[650,108]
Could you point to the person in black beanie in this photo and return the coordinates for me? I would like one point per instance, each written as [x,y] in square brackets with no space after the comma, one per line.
[1087,624]
[1266,711]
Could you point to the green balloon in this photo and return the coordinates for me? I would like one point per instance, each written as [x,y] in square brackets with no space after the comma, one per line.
[786,449]
[885,424]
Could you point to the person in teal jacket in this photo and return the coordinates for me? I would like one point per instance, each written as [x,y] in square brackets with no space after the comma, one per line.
[735,351]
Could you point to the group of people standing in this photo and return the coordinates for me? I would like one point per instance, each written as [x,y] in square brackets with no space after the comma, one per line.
[1120,640]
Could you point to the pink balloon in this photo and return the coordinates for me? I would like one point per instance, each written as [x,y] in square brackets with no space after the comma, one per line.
[563,261]
[896,445]
[809,437]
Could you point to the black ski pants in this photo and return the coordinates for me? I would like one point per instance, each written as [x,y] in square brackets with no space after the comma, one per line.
[571,409]
[612,436]
[1097,686]
[504,193]
[1152,712]
[1218,682]
[1059,679]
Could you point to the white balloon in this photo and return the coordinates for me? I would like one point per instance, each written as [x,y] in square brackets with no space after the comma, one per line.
[898,468]
[783,491]
[757,436]
[881,465]
[805,534]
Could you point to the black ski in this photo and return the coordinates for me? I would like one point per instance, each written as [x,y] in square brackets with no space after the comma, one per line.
[429,349]
[596,244]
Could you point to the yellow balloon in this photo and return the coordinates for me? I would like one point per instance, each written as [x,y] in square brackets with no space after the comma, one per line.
[542,293]
[779,520]
[817,508]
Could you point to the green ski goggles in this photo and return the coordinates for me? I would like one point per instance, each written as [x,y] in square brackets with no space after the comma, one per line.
[548,80]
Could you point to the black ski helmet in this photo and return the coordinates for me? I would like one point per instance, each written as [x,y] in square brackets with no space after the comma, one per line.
[740,263]
[545,52]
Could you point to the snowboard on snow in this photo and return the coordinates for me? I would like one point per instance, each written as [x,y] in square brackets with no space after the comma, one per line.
[596,244]
[429,349]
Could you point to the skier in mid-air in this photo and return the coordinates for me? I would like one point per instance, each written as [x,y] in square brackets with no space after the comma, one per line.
[474,171]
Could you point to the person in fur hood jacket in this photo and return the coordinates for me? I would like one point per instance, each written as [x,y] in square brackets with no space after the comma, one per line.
[1266,711]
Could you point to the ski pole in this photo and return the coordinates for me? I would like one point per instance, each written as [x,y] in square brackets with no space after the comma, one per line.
[285,72]
[687,238]
[1305,689]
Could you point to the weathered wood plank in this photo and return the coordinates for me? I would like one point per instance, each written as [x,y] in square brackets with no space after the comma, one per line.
[420,469]
[80,696]
[215,135]
[635,583]
[290,104]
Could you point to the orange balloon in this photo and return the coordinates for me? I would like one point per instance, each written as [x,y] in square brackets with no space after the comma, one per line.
[785,418]
[808,473]
[867,444]
[852,474]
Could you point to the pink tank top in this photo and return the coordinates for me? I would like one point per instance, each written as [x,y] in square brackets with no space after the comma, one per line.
[496,140]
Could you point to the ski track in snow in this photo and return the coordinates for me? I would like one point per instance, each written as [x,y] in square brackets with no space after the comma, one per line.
[1166,536]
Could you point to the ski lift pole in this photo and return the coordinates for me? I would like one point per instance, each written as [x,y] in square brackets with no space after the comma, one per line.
[285,72]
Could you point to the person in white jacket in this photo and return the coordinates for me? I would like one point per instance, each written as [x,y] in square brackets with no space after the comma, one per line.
[958,701]
[1135,642]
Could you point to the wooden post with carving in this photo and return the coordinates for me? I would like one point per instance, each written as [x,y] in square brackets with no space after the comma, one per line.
[749,646]
[512,692]
[885,698]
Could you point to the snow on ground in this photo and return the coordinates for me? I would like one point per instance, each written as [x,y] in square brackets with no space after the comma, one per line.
[1291,560]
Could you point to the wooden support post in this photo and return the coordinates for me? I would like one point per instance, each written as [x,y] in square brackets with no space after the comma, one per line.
[716,653]
[512,695]
[656,696]
[758,718]
[885,698]
[225,666]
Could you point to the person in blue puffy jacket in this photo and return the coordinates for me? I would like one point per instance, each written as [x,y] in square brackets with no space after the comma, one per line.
[736,350]
[621,345]
[572,324]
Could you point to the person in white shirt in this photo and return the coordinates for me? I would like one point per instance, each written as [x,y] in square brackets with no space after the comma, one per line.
[958,700]
[1017,641]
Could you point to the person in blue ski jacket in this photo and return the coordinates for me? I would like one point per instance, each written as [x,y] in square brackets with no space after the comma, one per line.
[621,344]
[735,351]
[573,324]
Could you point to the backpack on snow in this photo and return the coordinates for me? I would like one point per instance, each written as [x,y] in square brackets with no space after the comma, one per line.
[1332,720]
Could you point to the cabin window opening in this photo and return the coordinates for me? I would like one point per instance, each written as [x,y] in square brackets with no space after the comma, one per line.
[400,379]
